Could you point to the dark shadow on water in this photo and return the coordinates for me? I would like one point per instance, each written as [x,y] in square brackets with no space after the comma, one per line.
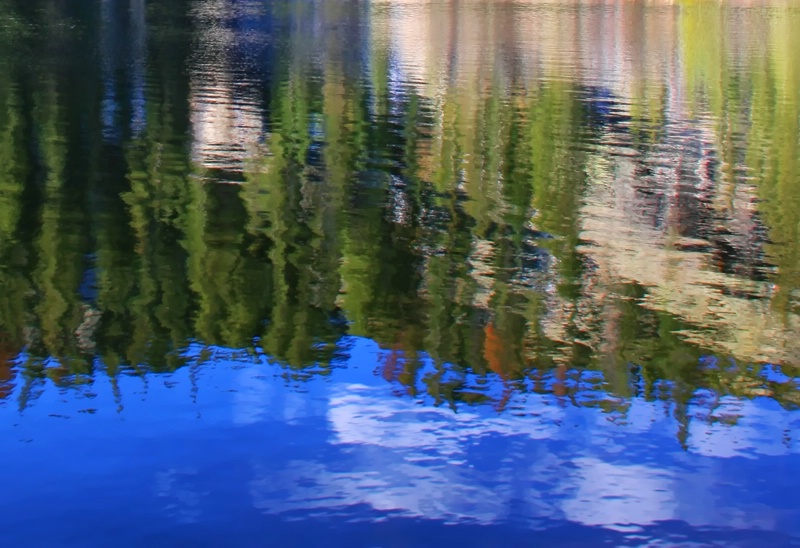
[361,527]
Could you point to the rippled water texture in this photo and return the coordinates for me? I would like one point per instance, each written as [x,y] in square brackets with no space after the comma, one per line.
[399,273]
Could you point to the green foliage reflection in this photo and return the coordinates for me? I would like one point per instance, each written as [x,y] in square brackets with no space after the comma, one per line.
[465,228]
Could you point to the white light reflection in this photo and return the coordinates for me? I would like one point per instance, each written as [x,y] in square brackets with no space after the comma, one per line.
[427,462]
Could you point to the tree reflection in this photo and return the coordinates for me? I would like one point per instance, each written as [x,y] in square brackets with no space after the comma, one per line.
[474,227]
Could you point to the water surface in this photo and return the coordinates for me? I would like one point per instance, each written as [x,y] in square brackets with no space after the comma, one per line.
[399,273]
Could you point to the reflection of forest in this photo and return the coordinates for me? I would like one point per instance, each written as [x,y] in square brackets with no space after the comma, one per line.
[506,193]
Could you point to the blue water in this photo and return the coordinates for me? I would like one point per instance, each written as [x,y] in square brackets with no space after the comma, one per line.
[235,450]
[370,273]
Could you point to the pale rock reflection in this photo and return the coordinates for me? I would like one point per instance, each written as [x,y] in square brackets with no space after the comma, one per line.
[226,114]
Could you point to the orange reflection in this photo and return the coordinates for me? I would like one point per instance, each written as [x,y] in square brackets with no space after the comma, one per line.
[400,365]
[494,352]
[7,355]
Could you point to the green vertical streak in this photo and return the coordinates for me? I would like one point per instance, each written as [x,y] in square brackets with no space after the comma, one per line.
[162,204]
[15,285]
[774,157]
[558,177]
[59,245]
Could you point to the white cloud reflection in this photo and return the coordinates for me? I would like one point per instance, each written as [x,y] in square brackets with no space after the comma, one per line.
[395,455]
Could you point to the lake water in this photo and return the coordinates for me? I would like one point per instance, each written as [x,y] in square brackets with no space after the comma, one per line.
[399,273]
